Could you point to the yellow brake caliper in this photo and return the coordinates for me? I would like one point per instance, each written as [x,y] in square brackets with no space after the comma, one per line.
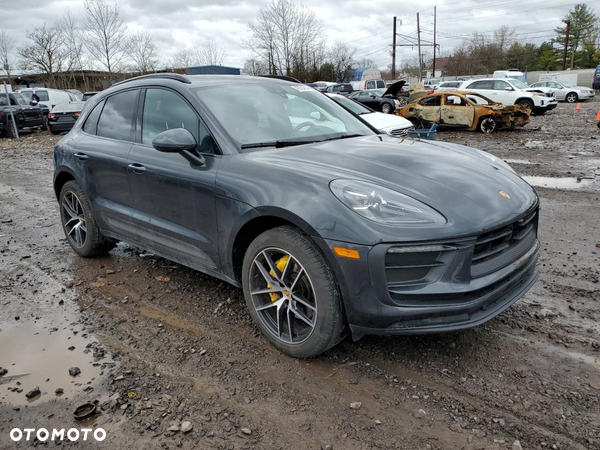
[280,264]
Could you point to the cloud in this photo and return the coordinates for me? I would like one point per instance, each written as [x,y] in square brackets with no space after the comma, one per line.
[364,24]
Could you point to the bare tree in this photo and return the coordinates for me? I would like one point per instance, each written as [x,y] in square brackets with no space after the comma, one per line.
[210,53]
[504,37]
[105,34]
[284,36]
[341,57]
[7,46]
[254,67]
[45,53]
[182,59]
[143,52]
[73,48]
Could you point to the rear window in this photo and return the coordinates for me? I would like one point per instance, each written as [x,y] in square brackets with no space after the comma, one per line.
[380,84]
[116,120]
[73,106]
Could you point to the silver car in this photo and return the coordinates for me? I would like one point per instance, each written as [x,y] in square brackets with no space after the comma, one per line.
[566,91]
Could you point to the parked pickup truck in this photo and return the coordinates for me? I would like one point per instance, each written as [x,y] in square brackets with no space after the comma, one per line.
[26,115]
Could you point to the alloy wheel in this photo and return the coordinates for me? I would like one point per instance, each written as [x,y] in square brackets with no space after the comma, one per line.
[488,125]
[571,98]
[386,108]
[74,219]
[283,295]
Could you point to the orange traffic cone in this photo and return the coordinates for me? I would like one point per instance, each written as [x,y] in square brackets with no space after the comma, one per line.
[598,116]
[578,107]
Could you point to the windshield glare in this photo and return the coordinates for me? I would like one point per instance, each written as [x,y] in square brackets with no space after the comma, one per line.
[567,85]
[265,113]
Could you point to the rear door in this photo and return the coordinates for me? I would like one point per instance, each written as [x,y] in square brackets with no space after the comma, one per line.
[101,155]
[174,196]
[431,109]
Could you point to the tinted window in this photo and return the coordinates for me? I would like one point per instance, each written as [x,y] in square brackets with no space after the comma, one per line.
[92,120]
[165,110]
[42,95]
[482,84]
[380,84]
[116,121]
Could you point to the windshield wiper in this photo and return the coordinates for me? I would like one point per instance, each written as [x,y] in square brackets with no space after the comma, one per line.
[291,142]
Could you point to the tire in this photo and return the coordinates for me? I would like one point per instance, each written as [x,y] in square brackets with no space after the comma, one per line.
[88,241]
[416,122]
[526,103]
[386,108]
[487,125]
[10,131]
[44,126]
[571,97]
[306,264]
[54,132]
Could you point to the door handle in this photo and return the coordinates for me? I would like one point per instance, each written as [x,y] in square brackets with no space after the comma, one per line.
[81,156]
[137,168]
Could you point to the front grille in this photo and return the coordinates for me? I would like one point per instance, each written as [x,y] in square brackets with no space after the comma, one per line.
[401,132]
[499,248]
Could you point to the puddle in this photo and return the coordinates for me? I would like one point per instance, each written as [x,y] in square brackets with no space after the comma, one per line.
[517,161]
[38,355]
[557,183]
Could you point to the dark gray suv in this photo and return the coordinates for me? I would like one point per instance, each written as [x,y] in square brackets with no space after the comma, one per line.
[327,225]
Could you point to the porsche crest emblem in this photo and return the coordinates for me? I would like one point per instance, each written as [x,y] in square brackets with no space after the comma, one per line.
[504,194]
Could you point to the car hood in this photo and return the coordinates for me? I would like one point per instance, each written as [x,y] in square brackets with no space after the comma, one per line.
[386,122]
[463,184]
[395,88]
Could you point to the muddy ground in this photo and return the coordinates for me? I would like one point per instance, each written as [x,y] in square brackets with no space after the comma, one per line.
[159,345]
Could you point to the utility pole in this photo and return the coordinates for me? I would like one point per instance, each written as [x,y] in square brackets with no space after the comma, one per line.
[12,117]
[419,46]
[568,22]
[434,31]
[394,52]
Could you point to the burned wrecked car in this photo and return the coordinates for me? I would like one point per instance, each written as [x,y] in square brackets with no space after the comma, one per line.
[464,110]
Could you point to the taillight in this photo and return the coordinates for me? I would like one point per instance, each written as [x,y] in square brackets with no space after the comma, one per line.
[52,106]
[51,115]
[77,114]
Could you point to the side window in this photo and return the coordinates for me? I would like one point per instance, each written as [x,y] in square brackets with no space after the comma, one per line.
[165,110]
[500,85]
[380,84]
[455,100]
[431,101]
[92,120]
[371,85]
[552,85]
[481,84]
[116,120]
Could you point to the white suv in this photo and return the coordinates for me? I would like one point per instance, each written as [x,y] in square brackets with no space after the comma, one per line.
[512,92]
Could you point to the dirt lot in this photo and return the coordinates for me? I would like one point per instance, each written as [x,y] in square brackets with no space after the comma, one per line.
[159,345]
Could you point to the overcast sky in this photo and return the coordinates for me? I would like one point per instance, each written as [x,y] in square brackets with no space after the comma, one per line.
[366,25]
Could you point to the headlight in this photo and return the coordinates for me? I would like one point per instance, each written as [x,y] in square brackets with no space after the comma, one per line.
[383,205]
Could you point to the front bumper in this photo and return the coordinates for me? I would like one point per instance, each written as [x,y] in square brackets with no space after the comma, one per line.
[454,295]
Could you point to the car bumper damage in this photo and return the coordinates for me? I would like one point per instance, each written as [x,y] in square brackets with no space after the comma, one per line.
[438,286]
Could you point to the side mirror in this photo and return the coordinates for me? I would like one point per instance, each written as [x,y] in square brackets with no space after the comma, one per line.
[508,88]
[373,96]
[33,102]
[174,141]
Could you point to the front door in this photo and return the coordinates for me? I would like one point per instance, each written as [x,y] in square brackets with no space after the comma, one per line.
[173,194]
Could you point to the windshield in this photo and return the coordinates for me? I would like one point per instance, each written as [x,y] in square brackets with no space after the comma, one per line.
[377,92]
[519,84]
[27,95]
[269,113]
[567,85]
[353,106]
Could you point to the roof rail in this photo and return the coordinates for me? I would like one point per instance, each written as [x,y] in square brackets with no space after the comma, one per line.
[282,77]
[168,76]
